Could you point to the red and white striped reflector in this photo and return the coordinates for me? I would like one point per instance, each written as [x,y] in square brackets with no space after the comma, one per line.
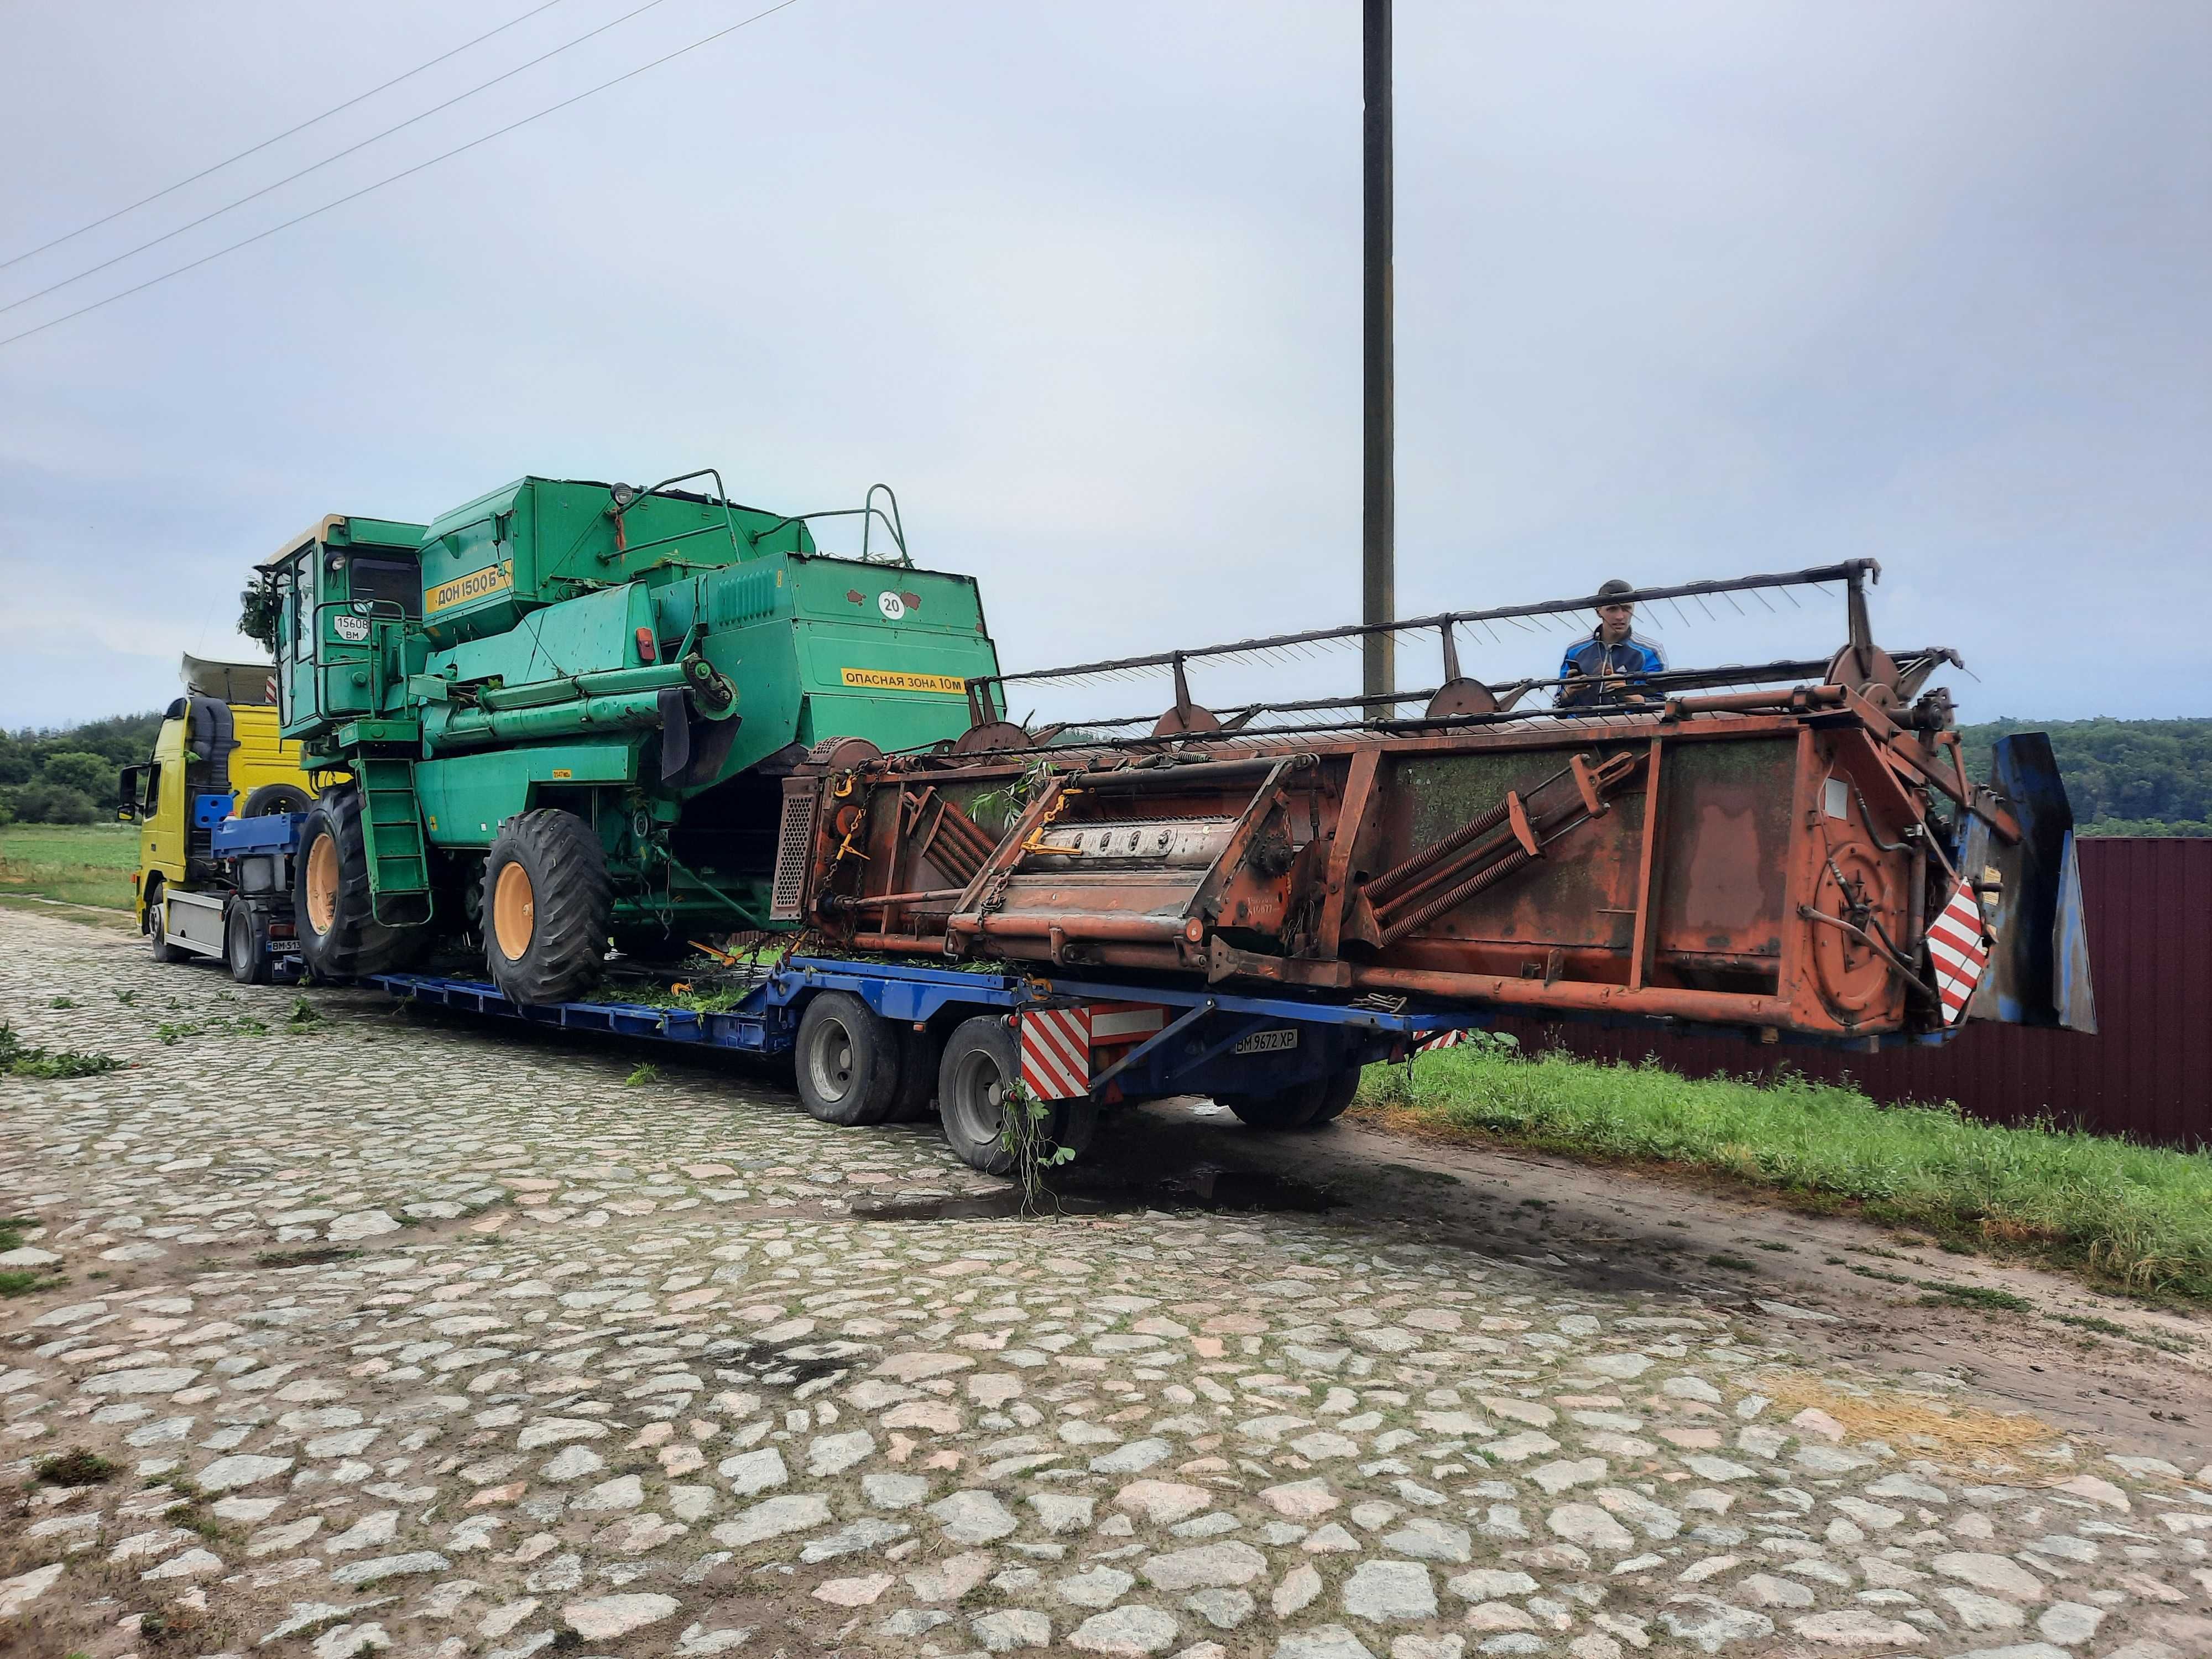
[1441,1040]
[1056,1052]
[1960,949]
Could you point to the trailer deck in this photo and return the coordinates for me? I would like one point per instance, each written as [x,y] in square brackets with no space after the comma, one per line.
[1079,1043]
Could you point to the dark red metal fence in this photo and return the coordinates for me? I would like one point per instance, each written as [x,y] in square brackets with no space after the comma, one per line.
[2147,1074]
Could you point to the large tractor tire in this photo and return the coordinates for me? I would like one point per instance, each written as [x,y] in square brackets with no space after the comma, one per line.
[340,937]
[547,907]
[271,798]
[848,1061]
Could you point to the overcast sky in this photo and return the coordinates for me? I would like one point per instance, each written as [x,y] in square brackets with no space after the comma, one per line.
[1683,291]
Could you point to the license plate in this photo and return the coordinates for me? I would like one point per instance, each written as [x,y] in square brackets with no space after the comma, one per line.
[1268,1042]
[285,947]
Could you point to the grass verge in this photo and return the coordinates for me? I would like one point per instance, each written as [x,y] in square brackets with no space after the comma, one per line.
[2136,1219]
[88,864]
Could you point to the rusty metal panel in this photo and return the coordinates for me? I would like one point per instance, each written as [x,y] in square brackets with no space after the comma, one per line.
[1724,861]
[2147,1073]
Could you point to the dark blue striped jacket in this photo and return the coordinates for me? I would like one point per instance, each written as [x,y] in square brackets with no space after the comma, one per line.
[1592,661]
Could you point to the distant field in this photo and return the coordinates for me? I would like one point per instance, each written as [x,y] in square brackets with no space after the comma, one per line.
[80,863]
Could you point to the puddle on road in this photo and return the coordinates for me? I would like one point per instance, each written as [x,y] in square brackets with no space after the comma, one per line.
[1203,1186]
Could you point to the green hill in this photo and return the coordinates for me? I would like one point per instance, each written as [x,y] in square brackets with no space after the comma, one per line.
[68,776]
[2124,777]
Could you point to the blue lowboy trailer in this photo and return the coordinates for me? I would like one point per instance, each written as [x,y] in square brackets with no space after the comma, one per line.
[877,1041]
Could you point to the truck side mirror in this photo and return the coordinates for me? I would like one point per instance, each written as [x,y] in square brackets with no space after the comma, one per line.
[127,784]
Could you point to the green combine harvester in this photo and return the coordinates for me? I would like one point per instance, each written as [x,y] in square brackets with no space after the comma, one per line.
[558,718]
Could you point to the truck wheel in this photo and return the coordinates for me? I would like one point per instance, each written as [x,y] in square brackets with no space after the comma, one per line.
[157,929]
[848,1060]
[982,1063]
[271,798]
[547,907]
[340,937]
[1294,1107]
[245,946]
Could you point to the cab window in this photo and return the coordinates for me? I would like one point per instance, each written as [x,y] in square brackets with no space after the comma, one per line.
[394,579]
[303,607]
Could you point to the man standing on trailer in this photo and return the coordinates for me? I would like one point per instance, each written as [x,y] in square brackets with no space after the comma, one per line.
[1612,665]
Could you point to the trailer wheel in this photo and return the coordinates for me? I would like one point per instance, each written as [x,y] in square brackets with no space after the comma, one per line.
[1294,1107]
[245,946]
[848,1061]
[547,907]
[1075,1122]
[157,929]
[340,937]
[919,1055]
[982,1063]
[1338,1092]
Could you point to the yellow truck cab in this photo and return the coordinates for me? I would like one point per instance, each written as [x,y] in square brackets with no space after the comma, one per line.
[217,755]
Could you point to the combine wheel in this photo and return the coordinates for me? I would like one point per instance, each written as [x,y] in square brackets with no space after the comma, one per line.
[157,929]
[340,937]
[848,1061]
[246,946]
[1295,1108]
[271,798]
[547,907]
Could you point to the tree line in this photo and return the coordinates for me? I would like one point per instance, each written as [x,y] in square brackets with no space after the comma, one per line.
[2124,777]
[68,776]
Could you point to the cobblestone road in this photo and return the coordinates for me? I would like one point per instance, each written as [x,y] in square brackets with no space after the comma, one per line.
[408,1339]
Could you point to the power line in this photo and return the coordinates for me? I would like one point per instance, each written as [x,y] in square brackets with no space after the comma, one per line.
[395,177]
[190,224]
[333,110]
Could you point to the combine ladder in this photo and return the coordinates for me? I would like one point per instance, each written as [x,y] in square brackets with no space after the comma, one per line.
[391,832]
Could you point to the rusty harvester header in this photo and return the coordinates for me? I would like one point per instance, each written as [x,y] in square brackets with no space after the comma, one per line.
[1769,848]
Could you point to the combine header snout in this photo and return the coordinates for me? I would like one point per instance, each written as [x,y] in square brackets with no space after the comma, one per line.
[1793,848]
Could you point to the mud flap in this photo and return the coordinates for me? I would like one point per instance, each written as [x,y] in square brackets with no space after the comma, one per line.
[675,733]
[2038,971]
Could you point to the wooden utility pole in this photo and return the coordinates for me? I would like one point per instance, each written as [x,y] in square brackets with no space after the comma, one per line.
[1378,499]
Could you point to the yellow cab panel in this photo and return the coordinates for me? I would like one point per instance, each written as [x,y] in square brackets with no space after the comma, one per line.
[217,754]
